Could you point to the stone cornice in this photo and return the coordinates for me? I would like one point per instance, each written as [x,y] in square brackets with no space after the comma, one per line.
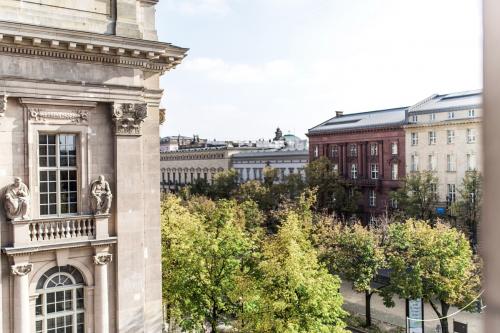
[31,40]
[445,123]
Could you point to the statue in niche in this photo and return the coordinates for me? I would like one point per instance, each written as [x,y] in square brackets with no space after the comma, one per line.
[16,200]
[101,196]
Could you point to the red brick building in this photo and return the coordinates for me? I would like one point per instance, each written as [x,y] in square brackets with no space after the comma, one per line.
[368,149]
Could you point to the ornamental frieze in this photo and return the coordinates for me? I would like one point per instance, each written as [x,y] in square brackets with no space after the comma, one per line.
[78,116]
[128,118]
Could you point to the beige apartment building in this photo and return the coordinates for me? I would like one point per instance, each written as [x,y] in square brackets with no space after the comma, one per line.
[443,135]
[79,166]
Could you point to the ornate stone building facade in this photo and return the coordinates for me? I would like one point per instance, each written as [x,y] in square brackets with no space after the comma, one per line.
[366,148]
[443,135]
[79,115]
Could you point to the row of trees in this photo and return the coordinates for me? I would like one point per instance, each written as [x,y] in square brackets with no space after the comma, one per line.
[222,264]
[434,263]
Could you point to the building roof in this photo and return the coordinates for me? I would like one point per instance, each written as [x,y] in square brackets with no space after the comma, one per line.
[272,152]
[454,101]
[362,120]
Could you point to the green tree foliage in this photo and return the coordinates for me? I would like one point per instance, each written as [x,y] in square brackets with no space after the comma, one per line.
[352,251]
[200,186]
[294,292]
[418,197]
[205,247]
[467,209]
[432,263]
[225,184]
[333,193]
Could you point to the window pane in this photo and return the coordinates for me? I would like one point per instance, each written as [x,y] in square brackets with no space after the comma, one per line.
[43,161]
[52,176]
[51,308]
[52,162]
[42,138]
[53,209]
[51,139]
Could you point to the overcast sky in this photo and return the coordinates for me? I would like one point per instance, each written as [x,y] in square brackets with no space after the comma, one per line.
[254,65]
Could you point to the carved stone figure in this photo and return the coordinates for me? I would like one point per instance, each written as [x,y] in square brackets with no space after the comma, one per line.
[16,200]
[101,196]
[21,269]
[103,258]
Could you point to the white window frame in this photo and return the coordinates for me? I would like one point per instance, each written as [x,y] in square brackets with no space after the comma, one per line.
[450,136]
[471,162]
[316,151]
[414,138]
[394,171]
[394,148]
[353,150]
[372,198]
[451,115]
[374,171]
[432,117]
[451,163]
[432,160]
[452,193]
[414,163]
[432,137]
[373,149]
[471,113]
[471,135]
[354,171]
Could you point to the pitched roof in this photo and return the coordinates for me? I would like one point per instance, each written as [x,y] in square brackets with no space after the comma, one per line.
[362,120]
[454,101]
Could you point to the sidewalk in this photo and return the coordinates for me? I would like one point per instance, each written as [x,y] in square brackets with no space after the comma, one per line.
[355,303]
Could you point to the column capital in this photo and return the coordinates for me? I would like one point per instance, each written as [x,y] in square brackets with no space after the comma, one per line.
[103,258]
[3,104]
[21,269]
[128,118]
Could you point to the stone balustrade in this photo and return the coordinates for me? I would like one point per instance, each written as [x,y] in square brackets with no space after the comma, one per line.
[59,230]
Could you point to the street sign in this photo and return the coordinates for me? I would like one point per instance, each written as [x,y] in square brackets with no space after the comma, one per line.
[414,310]
[459,327]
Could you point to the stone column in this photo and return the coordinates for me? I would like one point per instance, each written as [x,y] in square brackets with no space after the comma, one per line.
[22,313]
[101,307]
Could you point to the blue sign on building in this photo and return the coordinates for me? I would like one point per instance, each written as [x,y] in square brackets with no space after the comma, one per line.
[440,210]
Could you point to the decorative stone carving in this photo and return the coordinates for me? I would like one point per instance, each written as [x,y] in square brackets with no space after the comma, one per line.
[78,116]
[3,105]
[129,117]
[21,269]
[101,196]
[16,200]
[103,258]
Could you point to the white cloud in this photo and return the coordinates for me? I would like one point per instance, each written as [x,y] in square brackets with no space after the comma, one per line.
[218,70]
[196,7]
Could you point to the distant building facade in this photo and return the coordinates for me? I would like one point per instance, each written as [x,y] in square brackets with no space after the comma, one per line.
[368,149]
[185,166]
[250,164]
[79,166]
[443,135]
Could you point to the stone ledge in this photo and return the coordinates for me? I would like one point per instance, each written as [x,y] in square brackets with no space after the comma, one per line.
[22,250]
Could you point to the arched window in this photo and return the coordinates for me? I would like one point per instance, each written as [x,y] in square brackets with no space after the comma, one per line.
[60,302]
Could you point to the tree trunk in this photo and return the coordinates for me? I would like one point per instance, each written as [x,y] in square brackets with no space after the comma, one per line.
[444,321]
[368,313]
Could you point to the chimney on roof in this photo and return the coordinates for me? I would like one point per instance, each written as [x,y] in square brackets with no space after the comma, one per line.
[339,114]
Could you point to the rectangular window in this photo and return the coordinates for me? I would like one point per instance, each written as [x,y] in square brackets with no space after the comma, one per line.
[374,171]
[394,203]
[58,170]
[372,198]
[450,163]
[451,193]
[373,149]
[432,137]
[450,136]
[471,135]
[472,113]
[335,151]
[432,117]
[414,118]
[394,148]
[394,171]
[353,150]
[432,162]
[316,151]
[354,171]
[451,115]
[414,139]
[471,162]
[414,163]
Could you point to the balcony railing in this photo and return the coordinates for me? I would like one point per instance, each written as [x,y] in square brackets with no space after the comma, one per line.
[59,230]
